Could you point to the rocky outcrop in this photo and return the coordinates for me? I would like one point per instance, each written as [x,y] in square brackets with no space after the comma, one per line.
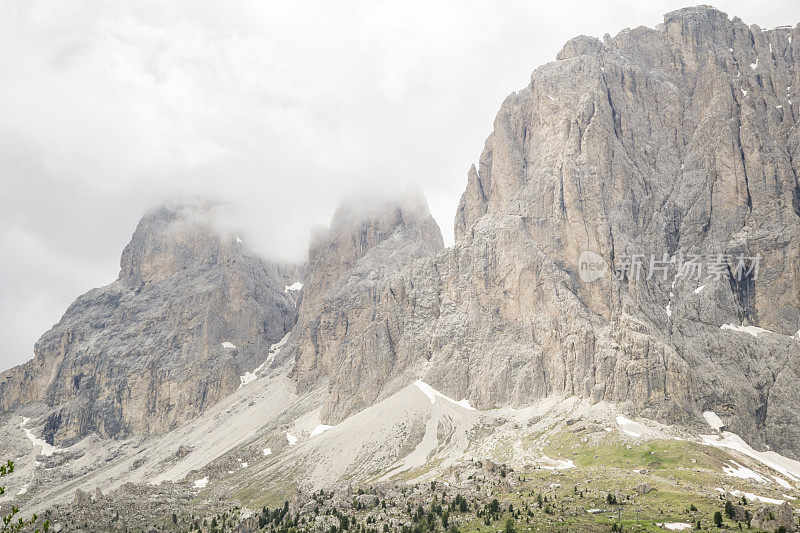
[190,312]
[775,518]
[675,142]
[346,331]
[671,143]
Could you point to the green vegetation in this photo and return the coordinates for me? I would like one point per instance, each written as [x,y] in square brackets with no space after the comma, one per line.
[11,520]
[617,486]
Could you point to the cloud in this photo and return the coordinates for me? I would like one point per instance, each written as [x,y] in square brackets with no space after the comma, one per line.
[280,109]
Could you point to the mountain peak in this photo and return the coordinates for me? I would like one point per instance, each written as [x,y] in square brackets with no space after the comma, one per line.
[190,313]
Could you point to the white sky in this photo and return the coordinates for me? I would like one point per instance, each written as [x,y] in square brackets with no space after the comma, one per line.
[280,108]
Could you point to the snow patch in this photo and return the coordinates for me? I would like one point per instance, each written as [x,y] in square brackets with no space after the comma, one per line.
[267,451]
[228,345]
[754,65]
[750,496]
[675,526]
[296,286]
[629,427]
[320,429]
[788,468]
[22,491]
[274,349]
[750,330]
[713,420]
[238,240]
[432,393]
[782,482]
[672,287]
[249,377]
[291,439]
[742,472]
[744,93]
[560,464]
[698,289]
[47,449]
[201,483]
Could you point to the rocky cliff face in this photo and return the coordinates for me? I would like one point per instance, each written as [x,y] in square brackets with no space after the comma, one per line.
[346,331]
[678,141]
[191,311]
[675,142]
[675,147]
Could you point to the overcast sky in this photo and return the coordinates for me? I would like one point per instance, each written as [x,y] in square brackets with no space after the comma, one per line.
[280,108]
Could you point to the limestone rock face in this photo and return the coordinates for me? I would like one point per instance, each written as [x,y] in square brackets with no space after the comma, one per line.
[654,148]
[346,331]
[191,311]
[673,142]
[676,141]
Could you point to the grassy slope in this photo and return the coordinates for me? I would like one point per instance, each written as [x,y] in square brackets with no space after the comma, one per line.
[682,474]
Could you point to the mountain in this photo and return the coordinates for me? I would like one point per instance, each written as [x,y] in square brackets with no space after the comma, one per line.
[678,141]
[347,332]
[665,144]
[618,314]
[190,312]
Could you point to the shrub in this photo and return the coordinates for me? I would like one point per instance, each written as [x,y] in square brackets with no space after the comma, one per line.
[8,522]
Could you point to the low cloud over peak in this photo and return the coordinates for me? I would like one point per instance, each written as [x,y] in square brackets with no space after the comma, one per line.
[278,111]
